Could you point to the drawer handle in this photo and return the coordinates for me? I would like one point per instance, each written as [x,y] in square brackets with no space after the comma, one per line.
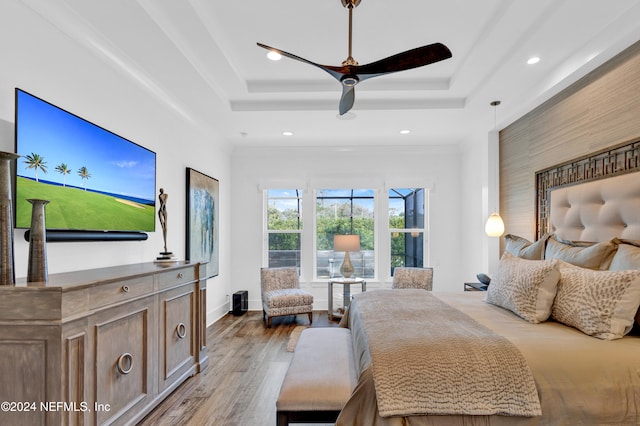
[181,331]
[125,288]
[125,363]
[180,275]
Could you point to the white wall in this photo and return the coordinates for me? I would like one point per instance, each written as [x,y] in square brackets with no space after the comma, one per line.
[480,196]
[42,60]
[436,167]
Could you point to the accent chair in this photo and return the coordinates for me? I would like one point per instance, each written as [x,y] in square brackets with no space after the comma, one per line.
[407,277]
[282,295]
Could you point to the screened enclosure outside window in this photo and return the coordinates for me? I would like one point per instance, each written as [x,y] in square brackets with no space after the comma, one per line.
[345,212]
[407,226]
[284,227]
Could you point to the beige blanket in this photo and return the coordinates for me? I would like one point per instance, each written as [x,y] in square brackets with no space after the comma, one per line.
[458,367]
[581,380]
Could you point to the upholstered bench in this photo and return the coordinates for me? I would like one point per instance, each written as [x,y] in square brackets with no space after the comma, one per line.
[320,378]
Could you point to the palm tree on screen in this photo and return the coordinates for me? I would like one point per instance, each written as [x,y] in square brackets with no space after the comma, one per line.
[35,161]
[64,170]
[84,174]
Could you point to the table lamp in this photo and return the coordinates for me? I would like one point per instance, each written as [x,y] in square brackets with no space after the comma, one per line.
[346,243]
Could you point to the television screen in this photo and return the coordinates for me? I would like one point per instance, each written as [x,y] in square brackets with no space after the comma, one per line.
[94,179]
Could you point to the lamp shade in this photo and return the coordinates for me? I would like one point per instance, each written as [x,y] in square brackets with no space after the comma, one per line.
[346,243]
[494,226]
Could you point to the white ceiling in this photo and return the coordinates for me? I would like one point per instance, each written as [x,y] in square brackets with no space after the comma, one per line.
[199,58]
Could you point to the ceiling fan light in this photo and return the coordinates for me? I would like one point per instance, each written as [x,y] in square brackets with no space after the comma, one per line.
[350,81]
[273,55]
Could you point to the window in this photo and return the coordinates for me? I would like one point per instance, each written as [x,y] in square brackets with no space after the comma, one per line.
[284,227]
[407,225]
[341,212]
[344,212]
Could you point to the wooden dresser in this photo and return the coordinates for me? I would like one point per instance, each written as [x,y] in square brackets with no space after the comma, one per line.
[101,346]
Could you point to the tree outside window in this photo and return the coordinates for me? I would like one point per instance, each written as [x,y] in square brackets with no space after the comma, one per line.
[284,227]
[407,227]
[344,212]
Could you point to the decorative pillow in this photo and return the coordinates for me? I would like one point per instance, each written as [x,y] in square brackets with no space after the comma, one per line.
[598,303]
[521,247]
[587,255]
[626,257]
[525,287]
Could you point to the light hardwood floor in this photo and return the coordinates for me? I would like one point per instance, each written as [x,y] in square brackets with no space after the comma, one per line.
[247,363]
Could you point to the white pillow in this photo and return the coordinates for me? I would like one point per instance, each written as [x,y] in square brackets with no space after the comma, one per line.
[525,287]
[598,303]
[521,247]
[626,257]
[588,255]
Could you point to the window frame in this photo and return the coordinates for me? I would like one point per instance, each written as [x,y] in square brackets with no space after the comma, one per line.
[266,232]
[375,200]
[308,261]
[408,230]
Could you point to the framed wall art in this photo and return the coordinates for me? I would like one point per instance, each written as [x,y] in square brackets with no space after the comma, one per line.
[202,221]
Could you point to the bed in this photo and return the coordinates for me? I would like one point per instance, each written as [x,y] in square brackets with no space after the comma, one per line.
[564,308]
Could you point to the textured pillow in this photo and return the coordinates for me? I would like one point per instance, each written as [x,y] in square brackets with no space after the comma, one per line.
[525,287]
[626,257]
[587,255]
[521,247]
[598,303]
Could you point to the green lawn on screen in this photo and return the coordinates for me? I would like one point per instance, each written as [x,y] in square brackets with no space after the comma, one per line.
[73,208]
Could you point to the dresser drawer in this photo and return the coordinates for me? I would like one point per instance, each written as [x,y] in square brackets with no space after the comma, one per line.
[125,360]
[177,334]
[120,291]
[176,276]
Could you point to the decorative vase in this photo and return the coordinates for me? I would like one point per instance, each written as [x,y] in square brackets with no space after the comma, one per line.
[7,271]
[37,271]
[347,267]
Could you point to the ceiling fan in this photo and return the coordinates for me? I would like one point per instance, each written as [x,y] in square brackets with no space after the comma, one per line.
[350,73]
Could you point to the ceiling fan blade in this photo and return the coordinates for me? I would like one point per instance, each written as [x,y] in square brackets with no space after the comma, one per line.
[334,71]
[410,59]
[347,99]
[350,75]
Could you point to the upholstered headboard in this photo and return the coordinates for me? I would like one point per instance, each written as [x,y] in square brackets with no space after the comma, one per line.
[605,164]
[597,210]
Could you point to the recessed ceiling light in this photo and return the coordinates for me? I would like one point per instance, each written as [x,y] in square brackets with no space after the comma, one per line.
[533,60]
[274,56]
[405,132]
[287,133]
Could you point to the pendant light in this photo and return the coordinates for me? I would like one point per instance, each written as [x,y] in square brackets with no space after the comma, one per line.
[494,227]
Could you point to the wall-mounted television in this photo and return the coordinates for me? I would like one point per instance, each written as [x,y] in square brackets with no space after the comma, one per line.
[100,185]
